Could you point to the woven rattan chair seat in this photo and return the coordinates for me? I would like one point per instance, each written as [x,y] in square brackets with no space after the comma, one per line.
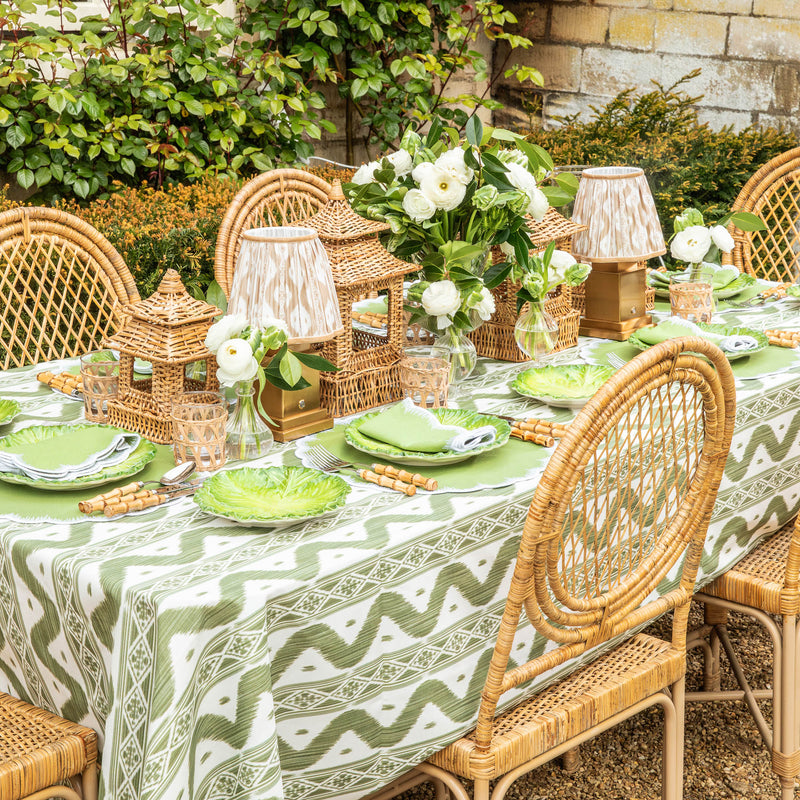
[632,672]
[39,749]
[758,579]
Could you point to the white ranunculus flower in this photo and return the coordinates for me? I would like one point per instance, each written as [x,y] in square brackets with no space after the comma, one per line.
[272,322]
[486,306]
[521,179]
[560,262]
[366,172]
[418,206]
[441,300]
[236,362]
[421,170]
[442,189]
[722,239]
[401,161]
[507,249]
[690,244]
[228,326]
[453,162]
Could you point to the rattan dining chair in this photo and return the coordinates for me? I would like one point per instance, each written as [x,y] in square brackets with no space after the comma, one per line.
[624,498]
[40,752]
[773,193]
[279,197]
[62,286]
[763,585]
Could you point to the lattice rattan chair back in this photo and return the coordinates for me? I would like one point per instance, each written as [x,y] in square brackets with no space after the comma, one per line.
[627,493]
[279,197]
[62,286]
[773,193]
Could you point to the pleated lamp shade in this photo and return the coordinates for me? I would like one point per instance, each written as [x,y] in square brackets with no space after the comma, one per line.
[284,273]
[617,208]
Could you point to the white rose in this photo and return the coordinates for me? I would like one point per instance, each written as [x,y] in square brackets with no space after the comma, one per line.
[690,244]
[521,179]
[441,300]
[418,206]
[229,326]
[236,362]
[453,162]
[401,161]
[366,172]
[722,239]
[421,170]
[486,306]
[560,262]
[442,189]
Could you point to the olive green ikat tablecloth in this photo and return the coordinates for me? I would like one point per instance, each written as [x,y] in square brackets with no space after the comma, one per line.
[317,661]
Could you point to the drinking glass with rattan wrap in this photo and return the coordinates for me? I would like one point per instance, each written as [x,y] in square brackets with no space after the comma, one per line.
[100,384]
[425,379]
[691,295]
[624,502]
[764,585]
[772,193]
[39,751]
[63,286]
[198,429]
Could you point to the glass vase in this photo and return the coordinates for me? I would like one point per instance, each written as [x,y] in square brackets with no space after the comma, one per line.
[454,347]
[247,436]
[535,331]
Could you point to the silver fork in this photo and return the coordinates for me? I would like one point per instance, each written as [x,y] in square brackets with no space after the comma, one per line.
[616,361]
[325,461]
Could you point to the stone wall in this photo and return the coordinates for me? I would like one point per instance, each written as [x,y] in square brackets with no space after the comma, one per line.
[748,51]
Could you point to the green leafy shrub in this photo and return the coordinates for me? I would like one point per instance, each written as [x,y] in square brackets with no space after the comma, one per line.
[687,163]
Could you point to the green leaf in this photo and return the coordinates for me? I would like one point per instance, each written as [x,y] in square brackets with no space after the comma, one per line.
[556,196]
[746,221]
[316,362]
[291,369]
[57,102]
[568,182]
[219,87]
[43,176]
[474,130]
[25,178]
[216,296]
[15,136]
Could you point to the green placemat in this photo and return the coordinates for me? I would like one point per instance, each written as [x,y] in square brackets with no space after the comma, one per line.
[25,504]
[514,461]
[769,361]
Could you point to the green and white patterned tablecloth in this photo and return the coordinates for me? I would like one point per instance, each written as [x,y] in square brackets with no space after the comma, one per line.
[317,661]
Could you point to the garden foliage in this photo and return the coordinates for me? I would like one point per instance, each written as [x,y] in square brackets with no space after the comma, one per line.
[157,91]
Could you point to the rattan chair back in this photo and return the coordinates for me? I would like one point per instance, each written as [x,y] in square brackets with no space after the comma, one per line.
[773,193]
[279,197]
[62,286]
[627,494]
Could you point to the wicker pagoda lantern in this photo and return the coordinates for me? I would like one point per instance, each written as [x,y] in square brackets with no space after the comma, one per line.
[368,362]
[168,329]
[495,338]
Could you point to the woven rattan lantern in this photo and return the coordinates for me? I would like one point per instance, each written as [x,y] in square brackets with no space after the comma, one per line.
[495,338]
[368,362]
[168,330]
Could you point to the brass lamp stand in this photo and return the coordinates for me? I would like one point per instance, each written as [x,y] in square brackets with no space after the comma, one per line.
[622,232]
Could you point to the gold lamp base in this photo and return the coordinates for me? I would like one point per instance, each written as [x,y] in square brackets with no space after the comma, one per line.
[296,414]
[615,300]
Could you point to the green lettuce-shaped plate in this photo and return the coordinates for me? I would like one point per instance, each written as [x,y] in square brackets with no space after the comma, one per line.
[447,416]
[562,385]
[8,410]
[271,497]
[136,462]
[731,290]
[721,330]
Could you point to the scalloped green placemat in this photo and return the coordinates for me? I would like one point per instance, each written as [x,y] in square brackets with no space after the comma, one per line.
[514,461]
[24,504]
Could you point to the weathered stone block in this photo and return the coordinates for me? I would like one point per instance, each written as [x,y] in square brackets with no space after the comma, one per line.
[777,8]
[606,73]
[560,65]
[788,122]
[531,19]
[624,3]
[558,104]
[769,39]
[632,28]
[736,85]
[718,119]
[787,88]
[585,24]
[715,6]
[662,5]
[690,33]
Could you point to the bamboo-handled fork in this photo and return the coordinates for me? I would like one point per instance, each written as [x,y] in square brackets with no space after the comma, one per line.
[323,460]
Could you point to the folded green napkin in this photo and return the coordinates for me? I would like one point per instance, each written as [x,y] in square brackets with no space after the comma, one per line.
[674,327]
[70,455]
[410,427]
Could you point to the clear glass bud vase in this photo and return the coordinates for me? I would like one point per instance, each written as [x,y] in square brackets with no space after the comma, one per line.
[535,331]
[247,435]
[454,347]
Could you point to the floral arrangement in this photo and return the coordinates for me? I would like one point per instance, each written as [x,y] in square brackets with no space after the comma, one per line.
[447,201]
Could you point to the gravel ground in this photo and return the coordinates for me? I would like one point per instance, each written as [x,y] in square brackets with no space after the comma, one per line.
[724,757]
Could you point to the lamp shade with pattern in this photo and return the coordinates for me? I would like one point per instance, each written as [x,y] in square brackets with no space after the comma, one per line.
[622,231]
[284,273]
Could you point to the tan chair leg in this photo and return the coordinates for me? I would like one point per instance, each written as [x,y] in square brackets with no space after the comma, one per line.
[89,783]
[571,760]
[713,615]
[786,740]
[672,787]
